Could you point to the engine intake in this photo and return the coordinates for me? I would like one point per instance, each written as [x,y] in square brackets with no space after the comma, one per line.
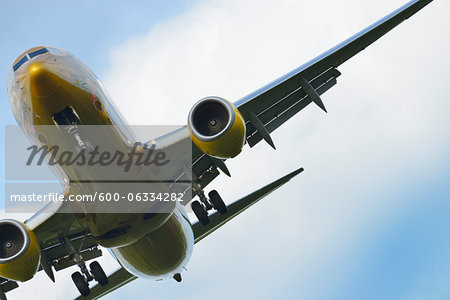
[217,127]
[19,251]
[13,240]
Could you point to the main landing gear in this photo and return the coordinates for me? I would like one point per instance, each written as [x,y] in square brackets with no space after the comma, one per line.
[201,208]
[82,278]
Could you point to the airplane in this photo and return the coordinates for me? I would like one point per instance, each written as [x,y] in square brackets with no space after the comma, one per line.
[50,88]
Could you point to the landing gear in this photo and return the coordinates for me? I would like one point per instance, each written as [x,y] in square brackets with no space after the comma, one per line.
[68,122]
[82,279]
[201,208]
[81,284]
[200,212]
[98,273]
[217,202]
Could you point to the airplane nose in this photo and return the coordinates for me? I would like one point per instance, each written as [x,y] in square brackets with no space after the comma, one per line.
[43,82]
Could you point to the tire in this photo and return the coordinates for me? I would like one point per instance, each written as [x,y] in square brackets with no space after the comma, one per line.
[200,213]
[81,284]
[217,202]
[99,274]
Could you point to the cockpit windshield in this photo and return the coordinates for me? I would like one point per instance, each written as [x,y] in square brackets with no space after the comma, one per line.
[28,56]
[37,52]
[23,60]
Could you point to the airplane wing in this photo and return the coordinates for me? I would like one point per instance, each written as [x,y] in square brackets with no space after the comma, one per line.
[277,102]
[269,107]
[121,277]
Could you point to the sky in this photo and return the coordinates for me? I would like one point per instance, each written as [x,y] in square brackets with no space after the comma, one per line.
[369,217]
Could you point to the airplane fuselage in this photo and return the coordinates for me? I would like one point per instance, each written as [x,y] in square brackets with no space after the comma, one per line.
[52,94]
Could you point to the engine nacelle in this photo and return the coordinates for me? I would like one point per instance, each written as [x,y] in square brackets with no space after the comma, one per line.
[217,127]
[20,253]
[161,253]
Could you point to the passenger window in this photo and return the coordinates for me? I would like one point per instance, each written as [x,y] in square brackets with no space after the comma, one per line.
[54,51]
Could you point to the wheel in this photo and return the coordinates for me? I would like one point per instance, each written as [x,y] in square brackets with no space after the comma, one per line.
[99,274]
[81,284]
[200,213]
[217,202]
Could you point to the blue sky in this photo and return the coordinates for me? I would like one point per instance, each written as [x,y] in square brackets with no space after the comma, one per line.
[89,29]
[369,218]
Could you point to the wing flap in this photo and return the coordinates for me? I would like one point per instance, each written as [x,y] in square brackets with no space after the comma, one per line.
[278,113]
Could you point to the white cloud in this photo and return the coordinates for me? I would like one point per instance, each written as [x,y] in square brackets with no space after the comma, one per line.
[386,130]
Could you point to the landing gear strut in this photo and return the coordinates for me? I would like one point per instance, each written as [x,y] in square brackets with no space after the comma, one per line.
[82,279]
[201,208]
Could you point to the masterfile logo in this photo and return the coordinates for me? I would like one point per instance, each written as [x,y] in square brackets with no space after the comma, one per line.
[139,155]
[96,168]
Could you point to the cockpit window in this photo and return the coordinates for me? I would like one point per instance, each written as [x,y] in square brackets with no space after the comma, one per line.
[54,51]
[20,62]
[37,52]
[28,56]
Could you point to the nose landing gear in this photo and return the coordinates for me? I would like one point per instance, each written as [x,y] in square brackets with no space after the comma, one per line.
[68,121]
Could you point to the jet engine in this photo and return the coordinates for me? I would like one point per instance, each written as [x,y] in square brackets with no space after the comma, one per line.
[20,252]
[217,127]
